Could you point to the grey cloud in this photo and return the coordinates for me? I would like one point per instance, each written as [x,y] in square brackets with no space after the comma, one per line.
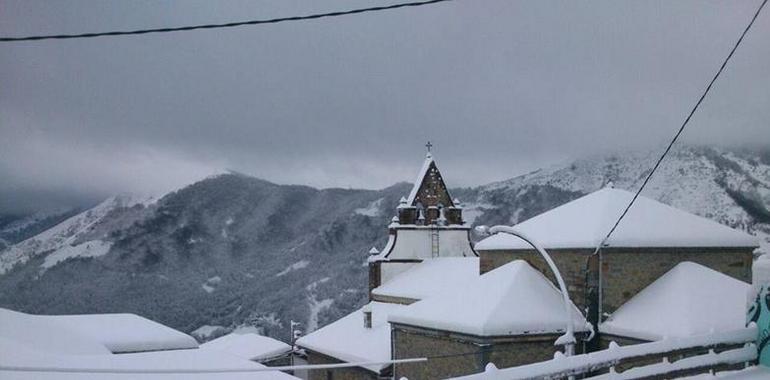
[500,87]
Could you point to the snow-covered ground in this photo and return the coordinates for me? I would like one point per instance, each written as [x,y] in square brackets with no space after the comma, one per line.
[93,248]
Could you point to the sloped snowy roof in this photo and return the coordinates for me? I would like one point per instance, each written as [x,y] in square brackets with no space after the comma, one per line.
[91,334]
[514,299]
[690,299]
[248,345]
[79,348]
[431,277]
[62,366]
[348,340]
[584,222]
[418,182]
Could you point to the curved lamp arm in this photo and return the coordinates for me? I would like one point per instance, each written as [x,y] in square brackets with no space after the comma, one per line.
[568,339]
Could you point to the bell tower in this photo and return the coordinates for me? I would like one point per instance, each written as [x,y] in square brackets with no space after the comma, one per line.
[428,224]
[429,198]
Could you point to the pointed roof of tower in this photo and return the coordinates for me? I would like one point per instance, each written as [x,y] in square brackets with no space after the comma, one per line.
[429,178]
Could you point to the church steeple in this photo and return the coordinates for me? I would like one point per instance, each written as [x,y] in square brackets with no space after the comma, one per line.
[429,198]
[429,224]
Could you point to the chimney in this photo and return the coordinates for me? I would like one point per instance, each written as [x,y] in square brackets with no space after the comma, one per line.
[367,316]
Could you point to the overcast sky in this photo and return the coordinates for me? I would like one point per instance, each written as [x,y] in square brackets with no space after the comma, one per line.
[499,87]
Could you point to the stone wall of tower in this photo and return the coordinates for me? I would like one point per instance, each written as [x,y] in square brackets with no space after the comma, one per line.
[625,271]
[433,191]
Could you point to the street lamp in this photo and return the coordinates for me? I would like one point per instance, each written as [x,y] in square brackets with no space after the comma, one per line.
[568,339]
[294,335]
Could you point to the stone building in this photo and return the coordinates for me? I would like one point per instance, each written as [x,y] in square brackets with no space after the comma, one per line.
[431,295]
[510,316]
[688,300]
[650,241]
[428,252]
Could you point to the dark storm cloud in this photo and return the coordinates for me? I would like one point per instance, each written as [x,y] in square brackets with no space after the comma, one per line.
[500,87]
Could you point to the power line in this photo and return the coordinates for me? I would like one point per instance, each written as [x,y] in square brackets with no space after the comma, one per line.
[684,124]
[219,26]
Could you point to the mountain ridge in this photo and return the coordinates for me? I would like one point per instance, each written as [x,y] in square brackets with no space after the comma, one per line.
[231,249]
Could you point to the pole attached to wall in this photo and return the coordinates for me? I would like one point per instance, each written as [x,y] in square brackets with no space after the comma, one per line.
[759,307]
[568,339]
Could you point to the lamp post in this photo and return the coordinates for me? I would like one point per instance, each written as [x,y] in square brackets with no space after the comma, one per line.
[294,335]
[568,339]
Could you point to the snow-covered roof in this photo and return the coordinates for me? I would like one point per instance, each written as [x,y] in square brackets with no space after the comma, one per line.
[688,300]
[431,277]
[584,222]
[756,372]
[81,347]
[348,340]
[420,176]
[62,366]
[248,345]
[91,334]
[514,299]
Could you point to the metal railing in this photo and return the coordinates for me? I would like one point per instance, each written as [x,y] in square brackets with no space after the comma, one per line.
[667,358]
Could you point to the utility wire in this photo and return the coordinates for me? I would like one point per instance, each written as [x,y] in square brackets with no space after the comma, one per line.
[219,26]
[684,124]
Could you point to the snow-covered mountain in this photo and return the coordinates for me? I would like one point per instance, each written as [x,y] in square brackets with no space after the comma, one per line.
[15,227]
[730,187]
[77,236]
[233,250]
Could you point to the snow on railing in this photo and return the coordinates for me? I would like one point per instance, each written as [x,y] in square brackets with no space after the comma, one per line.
[685,366]
[564,366]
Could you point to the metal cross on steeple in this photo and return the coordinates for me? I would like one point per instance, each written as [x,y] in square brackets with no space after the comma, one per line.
[428,145]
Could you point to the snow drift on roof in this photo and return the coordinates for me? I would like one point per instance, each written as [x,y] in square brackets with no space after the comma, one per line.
[431,277]
[690,299]
[91,334]
[77,347]
[584,222]
[348,340]
[62,366]
[514,299]
[248,345]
